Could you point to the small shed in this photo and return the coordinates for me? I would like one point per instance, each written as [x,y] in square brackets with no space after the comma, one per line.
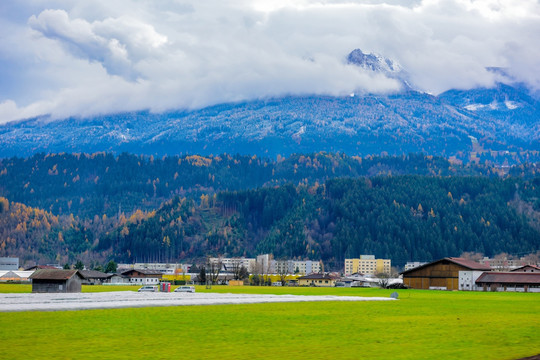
[56,281]
[441,274]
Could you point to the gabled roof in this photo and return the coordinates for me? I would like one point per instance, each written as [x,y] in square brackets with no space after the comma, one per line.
[316,276]
[509,278]
[10,275]
[94,274]
[469,264]
[37,267]
[142,271]
[54,274]
[526,266]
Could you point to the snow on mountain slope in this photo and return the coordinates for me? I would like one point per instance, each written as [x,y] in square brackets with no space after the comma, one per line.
[409,121]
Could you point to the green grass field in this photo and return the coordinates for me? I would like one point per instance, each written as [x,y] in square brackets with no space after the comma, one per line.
[422,325]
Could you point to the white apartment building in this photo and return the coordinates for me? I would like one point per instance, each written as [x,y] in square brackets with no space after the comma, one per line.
[229,264]
[413,264]
[164,268]
[301,267]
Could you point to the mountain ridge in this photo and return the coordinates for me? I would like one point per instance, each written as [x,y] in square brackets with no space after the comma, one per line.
[503,118]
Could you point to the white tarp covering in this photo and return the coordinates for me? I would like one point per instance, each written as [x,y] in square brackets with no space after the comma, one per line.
[124,299]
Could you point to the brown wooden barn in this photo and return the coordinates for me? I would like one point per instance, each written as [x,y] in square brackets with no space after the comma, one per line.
[56,281]
[441,274]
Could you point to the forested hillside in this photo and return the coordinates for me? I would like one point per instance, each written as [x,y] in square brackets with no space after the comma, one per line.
[402,218]
[88,185]
[38,234]
[65,207]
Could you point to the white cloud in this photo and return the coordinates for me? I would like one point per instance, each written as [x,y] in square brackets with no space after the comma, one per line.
[84,58]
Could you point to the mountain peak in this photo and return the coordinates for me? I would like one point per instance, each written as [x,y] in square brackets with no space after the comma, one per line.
[373,62]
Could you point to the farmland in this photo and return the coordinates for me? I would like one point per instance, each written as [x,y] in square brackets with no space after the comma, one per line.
[422,325]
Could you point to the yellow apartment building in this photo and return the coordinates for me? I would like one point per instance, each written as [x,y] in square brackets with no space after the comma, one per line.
[367,264]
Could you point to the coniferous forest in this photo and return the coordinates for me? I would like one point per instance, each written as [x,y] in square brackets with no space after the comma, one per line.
[67,207]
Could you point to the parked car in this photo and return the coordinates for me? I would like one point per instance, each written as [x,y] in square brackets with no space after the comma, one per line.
[148,288]
[190,289]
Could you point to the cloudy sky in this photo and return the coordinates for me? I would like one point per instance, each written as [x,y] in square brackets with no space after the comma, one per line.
[81,58]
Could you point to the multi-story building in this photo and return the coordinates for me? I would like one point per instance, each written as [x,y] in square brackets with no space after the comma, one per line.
[413,264]
[502,263]
[301,267]
[164,268]
[367,264]
[264,264]
[305,267]
[229,264]
[9,263]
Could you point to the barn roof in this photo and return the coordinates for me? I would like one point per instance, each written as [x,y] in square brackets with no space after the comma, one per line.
[94,274]
[143,271]
[54,274]
[37,267]
[525,267]
[469,264]
[316,276]
[509,278]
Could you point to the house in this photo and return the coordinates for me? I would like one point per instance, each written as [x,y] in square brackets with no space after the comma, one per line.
[142,277]
[93,277]
[317,280]
[443,274]
[56,281]
[527,269]
[509,281]
[116,279]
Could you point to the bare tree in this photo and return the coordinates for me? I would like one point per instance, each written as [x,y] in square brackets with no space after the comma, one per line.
[282,270]
[213,268]
[236,265]
[532,258]
[471,255]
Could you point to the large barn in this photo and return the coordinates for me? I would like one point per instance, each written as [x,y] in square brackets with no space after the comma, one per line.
[56,281]
[510,281]
[441,274]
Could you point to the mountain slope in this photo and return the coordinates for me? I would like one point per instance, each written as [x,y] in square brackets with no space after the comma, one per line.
[93,185]
[505,118]
[361,125]
[403,218]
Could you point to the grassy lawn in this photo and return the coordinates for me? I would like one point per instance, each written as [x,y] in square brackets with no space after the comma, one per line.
[422,325]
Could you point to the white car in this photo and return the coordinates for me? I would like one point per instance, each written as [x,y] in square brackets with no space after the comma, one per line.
[190,289]
[148,288]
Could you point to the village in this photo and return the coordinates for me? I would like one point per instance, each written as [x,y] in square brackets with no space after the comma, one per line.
[450,273]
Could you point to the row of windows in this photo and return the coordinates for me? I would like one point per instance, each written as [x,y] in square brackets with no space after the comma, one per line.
[147,280]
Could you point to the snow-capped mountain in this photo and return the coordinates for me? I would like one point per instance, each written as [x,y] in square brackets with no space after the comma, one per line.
[505,118]
[374,62]
[377,63]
